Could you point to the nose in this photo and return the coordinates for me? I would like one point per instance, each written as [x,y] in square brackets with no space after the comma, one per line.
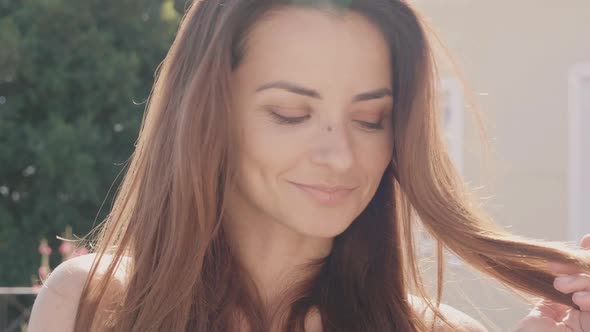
[334,149]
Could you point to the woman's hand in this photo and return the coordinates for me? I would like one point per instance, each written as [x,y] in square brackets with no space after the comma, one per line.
[548,316]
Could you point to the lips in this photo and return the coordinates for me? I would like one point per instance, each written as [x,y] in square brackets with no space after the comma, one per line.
[327,194]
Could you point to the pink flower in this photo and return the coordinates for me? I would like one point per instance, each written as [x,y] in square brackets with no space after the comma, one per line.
[66,248]
[44,249]
[43,272]
[80,251]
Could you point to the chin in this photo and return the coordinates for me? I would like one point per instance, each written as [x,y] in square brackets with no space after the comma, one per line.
[317,227]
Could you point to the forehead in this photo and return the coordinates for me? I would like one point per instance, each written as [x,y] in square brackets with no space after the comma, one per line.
[342,53]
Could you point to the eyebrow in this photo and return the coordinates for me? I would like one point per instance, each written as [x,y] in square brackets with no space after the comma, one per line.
[294,88]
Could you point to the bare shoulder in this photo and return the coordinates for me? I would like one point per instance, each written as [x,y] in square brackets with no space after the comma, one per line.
[57,303]
[457,317]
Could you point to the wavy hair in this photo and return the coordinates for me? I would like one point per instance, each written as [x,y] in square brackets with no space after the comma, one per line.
[168,212]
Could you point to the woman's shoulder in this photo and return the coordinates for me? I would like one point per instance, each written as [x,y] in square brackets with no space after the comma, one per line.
[456,316]
[57,302]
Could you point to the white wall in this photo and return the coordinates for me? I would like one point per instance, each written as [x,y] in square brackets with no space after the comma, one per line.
[519,55]
[579,150]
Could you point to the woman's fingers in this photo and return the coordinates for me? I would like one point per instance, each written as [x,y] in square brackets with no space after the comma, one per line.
[547,308]
[561,268]
[585,320]
[572,320]
[576,282]
[579,285]
[573,283]
[582,299]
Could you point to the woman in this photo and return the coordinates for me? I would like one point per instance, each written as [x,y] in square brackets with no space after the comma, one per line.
[285,152]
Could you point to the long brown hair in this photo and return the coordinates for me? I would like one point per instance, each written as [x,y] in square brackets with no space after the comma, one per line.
[168,213]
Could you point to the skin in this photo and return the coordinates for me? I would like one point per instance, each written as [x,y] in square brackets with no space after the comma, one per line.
[274,224]
[548,316]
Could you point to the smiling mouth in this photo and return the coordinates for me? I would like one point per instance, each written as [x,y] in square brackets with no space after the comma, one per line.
[326,194]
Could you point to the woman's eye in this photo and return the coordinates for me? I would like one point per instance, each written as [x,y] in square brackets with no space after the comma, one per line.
[372,125]
[280,119]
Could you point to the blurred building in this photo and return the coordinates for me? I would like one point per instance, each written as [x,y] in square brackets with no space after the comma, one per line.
[528,63]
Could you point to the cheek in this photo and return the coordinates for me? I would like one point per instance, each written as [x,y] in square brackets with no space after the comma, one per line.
[374,156]
[269,149]
[267,154]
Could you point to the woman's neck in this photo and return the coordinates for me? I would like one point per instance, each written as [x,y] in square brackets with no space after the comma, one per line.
[272,254]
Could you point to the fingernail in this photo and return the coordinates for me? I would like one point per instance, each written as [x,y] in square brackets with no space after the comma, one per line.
[581,296]
[565,279]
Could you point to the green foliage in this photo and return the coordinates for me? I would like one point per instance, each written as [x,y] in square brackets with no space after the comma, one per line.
[74,76]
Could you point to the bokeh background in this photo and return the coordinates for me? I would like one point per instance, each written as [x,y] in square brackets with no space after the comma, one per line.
[75,74]
[527,66]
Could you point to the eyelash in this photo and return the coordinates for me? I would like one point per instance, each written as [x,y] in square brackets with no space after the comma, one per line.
[372,125]
[289,120]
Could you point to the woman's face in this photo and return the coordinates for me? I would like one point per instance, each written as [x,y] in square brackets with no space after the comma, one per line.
[313,102]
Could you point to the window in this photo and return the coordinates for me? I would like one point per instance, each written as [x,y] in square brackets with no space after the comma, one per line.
[451,94]
[579,152]
[452,108]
